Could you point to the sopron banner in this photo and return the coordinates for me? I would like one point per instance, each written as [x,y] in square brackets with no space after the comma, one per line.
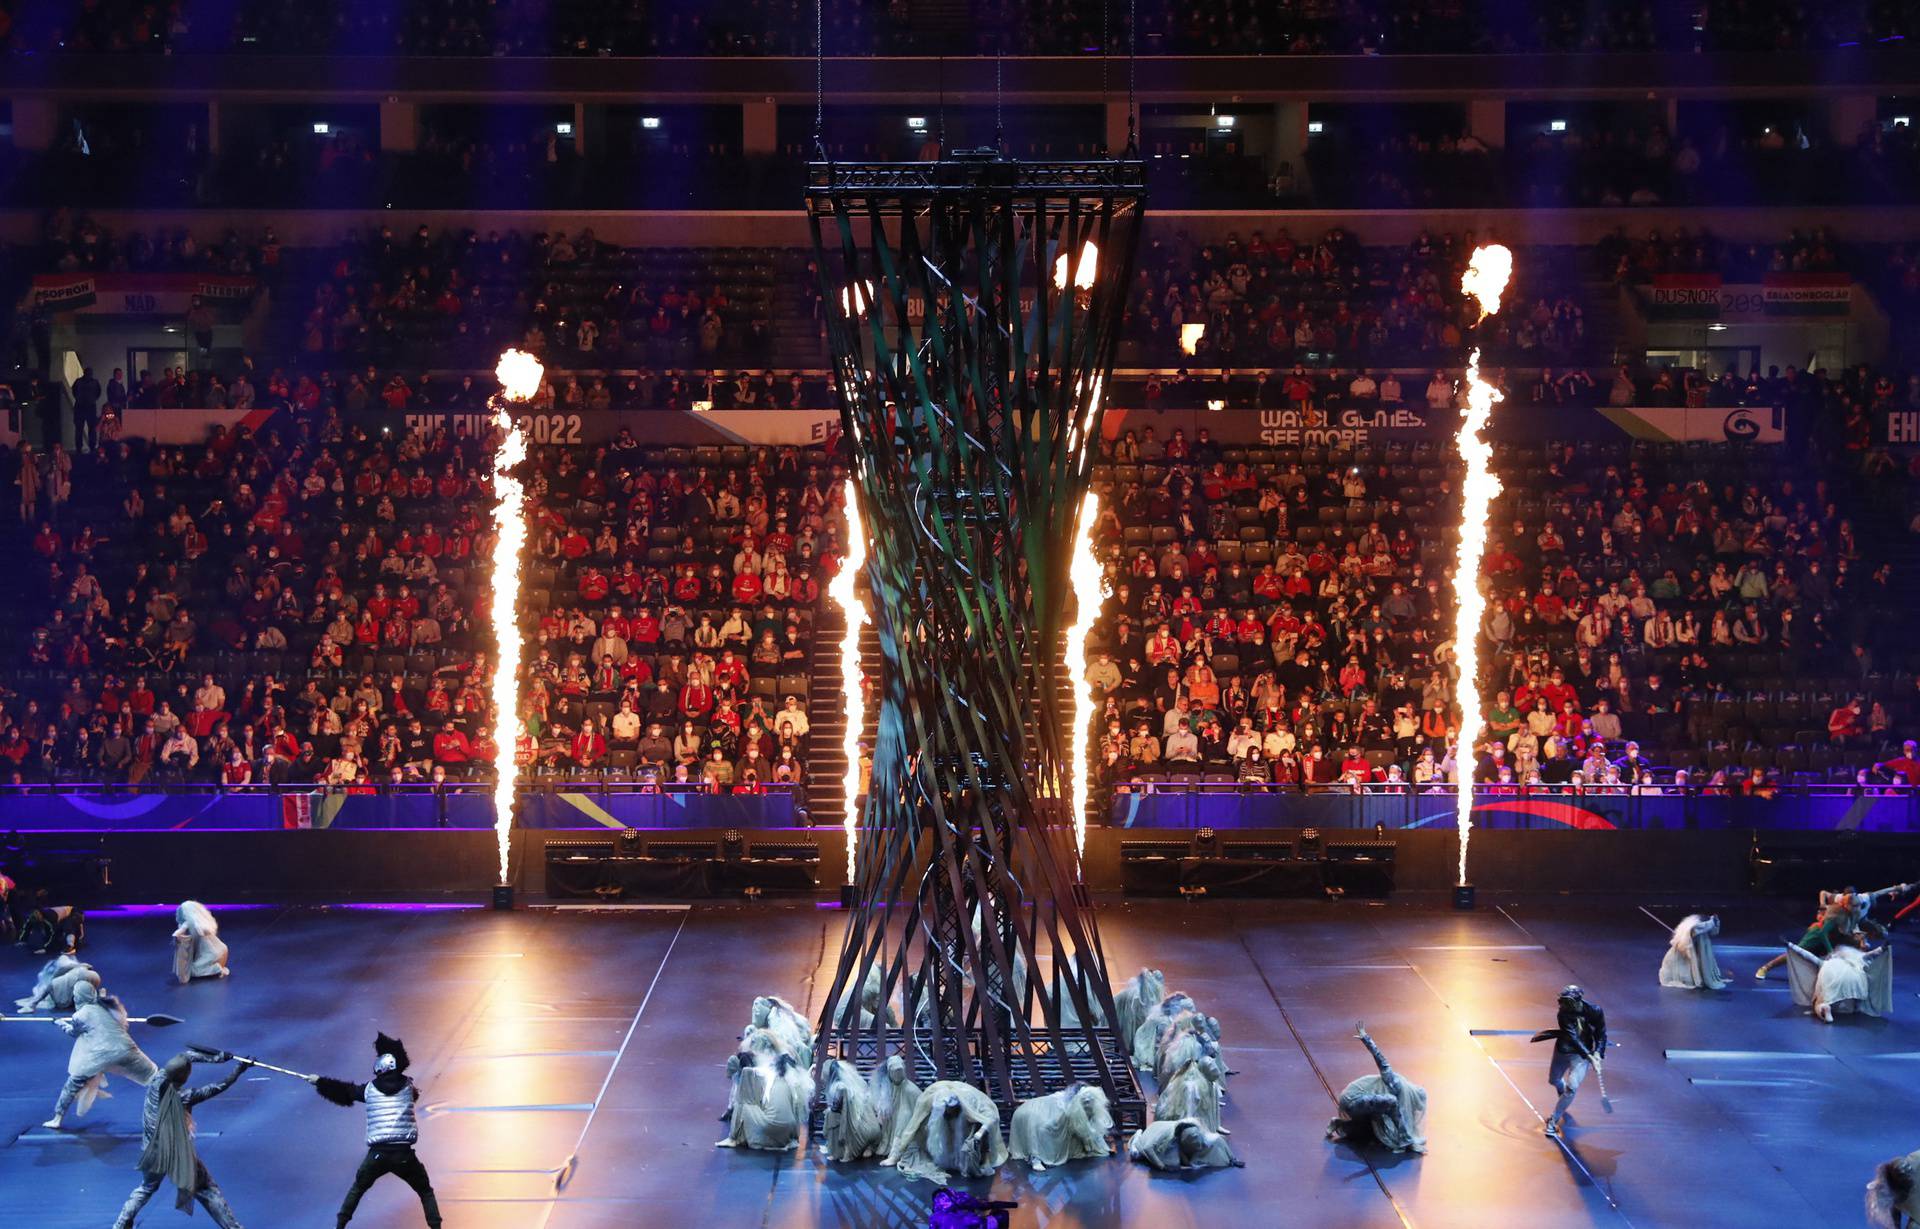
[137,294]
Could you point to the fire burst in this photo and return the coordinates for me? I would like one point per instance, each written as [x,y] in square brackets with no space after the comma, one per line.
[846,595]
[519,375]
[1088,582]
[1084,271]
[1485,279]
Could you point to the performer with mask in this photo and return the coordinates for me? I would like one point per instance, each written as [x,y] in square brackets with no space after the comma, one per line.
[392,1128]
[1579,1046]
[166,1150]
[101,1046]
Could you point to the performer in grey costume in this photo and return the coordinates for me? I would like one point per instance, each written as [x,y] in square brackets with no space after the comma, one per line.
[1177,1144]
[54,987]
[1387,1109]
[1689,963]
[197,949]
[101,1046]
[1069,1125]
[167,1152]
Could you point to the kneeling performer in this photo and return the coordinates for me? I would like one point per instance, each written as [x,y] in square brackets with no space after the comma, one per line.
[1068,1125]
[1386,1109]
[954,1130]
[197,949]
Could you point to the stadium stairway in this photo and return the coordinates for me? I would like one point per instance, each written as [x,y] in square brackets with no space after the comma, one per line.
[796,334]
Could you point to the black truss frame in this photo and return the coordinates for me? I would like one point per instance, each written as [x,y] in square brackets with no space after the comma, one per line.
[973,308]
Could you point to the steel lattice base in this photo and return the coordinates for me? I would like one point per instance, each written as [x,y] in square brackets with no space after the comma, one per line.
[1057,1069]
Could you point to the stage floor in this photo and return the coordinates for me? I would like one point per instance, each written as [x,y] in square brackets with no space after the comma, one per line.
[521,1024]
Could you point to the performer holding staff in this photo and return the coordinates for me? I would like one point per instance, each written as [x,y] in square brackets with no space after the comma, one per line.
[101,1046]
[1579,1046]
[392,1128]
[167,1150]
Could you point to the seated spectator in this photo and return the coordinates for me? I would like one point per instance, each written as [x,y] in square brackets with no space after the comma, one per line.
[1844,723]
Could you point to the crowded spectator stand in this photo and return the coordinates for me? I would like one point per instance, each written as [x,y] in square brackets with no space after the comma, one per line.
[302,608]
[1661,617]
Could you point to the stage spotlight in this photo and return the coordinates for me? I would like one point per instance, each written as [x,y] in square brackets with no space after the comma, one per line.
[1558,125]
[564,128]
[917,122]
[321,128]
[1223,121]
[1315,127]
[650,122]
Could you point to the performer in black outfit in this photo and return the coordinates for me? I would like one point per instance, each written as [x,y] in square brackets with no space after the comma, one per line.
[392,1128]
[1579,1045]
[52,929]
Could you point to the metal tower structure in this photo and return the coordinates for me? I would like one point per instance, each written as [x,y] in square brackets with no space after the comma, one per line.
[973,308]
